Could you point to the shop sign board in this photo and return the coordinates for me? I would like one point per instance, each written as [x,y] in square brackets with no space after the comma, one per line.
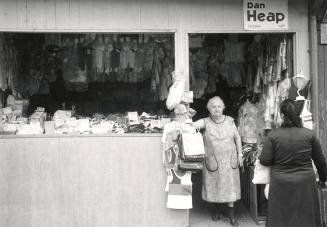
[265,14]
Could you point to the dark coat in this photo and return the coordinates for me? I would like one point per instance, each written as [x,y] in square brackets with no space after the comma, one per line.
[293,198]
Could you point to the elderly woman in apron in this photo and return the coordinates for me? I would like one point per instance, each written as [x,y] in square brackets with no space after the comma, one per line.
[221,178]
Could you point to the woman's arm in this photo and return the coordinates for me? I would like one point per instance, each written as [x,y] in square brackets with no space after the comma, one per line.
[266,156]
[199,124]
[238,143]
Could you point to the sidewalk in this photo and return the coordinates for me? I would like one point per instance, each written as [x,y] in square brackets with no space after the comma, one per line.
[200,215]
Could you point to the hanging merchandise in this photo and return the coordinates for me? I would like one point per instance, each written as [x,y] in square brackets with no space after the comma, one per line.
[107,56]
[52,62]
[176,91]
[8,64]
[199,66]
[179,188]
[195,41]
[299,89]
[251,122]
[69,58]
[254,64]
[234,51]
[139,61]
[214,70]
[306,115]
[98,58]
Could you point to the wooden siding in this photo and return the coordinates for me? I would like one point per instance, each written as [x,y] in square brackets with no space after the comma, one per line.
[322,94]
[180,16]
[86,181]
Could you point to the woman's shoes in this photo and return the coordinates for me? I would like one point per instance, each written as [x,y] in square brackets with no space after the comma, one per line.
[231,217]
[217,216]
[233,221]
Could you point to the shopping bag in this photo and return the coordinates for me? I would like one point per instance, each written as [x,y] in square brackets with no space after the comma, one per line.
[191,147]
[175,95]
[261,173]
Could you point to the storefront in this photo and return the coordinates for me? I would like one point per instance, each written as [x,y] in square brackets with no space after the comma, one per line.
[76,179]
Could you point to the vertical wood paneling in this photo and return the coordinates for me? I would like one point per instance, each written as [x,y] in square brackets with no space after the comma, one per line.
[36,14]
[195,8]
[62,14]
[124,14]
[233,15]
[157,11]
[84,181]
[322,93]
[176,15]
[302,53]
[214,14]
[74,13]
[50,14]
[21,6]
[104,14]
[324,97]
[8,14]
[295,10]
[86,14]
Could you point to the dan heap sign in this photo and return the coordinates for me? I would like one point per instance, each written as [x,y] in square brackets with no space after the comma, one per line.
[265,14]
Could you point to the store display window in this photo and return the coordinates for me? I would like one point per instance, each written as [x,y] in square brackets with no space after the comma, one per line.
[84,82]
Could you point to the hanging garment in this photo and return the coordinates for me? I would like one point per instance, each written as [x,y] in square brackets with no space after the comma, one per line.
[248,116]
[98,60]
[234,59]
[148,56]
[165,83]
[234,51]
[139,62]
[107,58]
[115,59]
[235,73]
[303,92]
[179,188]
[200,73]
[213,73]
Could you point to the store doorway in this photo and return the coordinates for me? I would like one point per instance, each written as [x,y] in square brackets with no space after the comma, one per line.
[245,70]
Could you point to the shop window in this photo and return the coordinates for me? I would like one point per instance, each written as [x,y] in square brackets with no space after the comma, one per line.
[92,74]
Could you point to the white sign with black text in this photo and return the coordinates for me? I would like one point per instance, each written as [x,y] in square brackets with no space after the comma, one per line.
[265,14]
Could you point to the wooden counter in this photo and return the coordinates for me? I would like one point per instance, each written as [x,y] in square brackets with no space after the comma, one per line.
[84,181]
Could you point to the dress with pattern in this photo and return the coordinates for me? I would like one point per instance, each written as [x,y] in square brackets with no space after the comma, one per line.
[222,185]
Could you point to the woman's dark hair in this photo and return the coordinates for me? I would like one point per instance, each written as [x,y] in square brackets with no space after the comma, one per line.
[291,116]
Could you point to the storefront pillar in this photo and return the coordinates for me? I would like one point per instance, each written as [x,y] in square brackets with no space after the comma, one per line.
[314,71]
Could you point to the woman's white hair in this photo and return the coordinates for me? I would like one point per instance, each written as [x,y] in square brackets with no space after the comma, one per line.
[214,99]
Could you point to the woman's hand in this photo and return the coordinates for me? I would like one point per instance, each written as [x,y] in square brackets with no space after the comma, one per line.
[240,160]
[322,184]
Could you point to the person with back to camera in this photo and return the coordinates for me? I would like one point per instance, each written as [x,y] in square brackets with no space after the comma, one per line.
[293,196]
[221,179]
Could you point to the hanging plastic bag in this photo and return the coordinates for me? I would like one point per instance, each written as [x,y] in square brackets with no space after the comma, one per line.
[261,173]
[306,115]
[176,92]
